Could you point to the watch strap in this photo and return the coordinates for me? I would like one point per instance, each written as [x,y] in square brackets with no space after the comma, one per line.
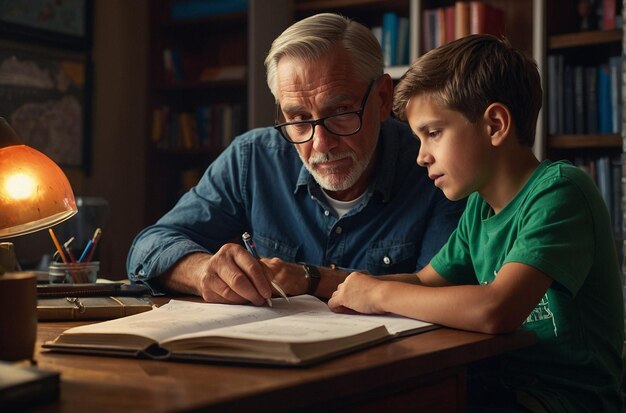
[313,276]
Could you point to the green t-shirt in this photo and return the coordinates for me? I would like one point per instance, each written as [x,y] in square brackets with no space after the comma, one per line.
[559,224]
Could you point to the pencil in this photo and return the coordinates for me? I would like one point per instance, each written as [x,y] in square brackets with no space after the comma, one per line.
[57,245]
[95,239]
[247,241]
[68,250]
[91,244]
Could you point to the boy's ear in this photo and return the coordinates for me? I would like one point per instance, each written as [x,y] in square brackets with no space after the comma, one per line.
[384,90]
[498,122]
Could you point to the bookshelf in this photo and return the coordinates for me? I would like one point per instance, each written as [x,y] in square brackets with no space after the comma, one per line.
[584,110]
[543,28]
[206,85]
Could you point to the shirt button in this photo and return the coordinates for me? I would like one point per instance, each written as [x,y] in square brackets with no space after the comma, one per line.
[338,230]
[387,260]
[327,213]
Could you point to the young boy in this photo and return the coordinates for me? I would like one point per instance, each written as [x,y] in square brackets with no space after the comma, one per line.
[534,248]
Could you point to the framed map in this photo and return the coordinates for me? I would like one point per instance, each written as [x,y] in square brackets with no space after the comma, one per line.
[61,22]
[45,96]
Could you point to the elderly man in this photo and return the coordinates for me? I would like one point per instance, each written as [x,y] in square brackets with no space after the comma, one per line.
[332,187]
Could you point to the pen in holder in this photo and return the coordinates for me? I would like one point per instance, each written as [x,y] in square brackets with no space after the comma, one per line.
[73,272]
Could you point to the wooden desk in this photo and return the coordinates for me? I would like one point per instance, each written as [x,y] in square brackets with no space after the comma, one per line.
[425,372]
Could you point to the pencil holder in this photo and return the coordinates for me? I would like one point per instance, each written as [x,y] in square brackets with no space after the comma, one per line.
[73,273]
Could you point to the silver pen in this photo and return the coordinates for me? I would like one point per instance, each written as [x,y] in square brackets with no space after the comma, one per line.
[247,241]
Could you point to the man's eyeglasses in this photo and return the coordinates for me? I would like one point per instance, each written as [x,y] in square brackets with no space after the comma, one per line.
[341,124]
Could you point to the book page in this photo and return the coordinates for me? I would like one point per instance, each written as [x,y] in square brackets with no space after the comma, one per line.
[303,319]
[304,325]
[181,317]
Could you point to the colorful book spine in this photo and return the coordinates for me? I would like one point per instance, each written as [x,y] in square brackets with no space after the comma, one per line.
[390,38]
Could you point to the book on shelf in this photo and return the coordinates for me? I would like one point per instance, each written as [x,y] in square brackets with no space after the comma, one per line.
[591,93]
[212,126]
[461,19]
[615,69]
[584,99]
[579,100]
[428,30]
[390,38]
[172,66]
[608,9]
[486,18]
[553,98]
[194,9]
[568,100]
[606,172]
[299,332]
[402,46]
[217,73]
[450,24]
[605,122]
[616,197]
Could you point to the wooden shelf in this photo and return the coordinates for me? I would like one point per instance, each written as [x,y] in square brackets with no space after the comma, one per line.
[313,5]
[562,41]
[584,141]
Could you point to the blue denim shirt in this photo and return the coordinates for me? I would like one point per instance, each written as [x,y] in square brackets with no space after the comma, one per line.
[259,184]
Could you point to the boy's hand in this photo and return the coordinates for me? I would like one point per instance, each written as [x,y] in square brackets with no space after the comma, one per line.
[359,292]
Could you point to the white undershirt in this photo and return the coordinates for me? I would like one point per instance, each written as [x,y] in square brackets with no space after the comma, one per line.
[341,208]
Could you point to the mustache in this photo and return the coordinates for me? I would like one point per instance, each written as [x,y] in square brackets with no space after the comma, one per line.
[329,157]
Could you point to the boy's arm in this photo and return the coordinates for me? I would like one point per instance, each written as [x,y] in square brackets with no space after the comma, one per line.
[499,307]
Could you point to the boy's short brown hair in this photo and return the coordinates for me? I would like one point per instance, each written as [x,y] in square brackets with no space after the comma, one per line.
[469,74]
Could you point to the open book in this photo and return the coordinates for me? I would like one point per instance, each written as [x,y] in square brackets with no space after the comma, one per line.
[301,331]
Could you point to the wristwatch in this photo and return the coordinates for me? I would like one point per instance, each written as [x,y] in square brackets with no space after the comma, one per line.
[312,274]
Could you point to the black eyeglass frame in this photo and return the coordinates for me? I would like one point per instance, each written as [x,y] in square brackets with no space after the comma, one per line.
[321,121]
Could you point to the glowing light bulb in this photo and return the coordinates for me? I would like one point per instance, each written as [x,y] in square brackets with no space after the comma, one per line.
[20,186]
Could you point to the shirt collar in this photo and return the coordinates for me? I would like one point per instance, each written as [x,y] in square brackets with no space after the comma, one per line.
[384,173]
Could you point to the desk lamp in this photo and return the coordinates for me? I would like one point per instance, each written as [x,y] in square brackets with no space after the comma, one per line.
[34,194]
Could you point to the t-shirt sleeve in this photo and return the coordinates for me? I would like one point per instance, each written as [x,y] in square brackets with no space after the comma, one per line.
[556,234]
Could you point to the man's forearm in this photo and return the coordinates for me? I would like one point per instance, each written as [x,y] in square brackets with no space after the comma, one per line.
[183,277]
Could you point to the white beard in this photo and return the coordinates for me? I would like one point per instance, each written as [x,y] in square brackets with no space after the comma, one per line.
[332,182]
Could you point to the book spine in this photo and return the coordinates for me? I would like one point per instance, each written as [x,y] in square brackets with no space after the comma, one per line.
[427,31]
[450,23]
[579,100]
[605,123]
[615,65]
[568,100]
[609,10]
[591,92]
[477,17]
[461,19]
[390,38]
[440,16]
[194,9]
[560,91]
[553,124]
[402,52]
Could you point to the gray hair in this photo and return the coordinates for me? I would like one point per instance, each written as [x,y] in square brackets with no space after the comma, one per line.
[314,36]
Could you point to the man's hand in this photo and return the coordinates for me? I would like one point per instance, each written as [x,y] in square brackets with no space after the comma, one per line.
[231,276]
[289,276]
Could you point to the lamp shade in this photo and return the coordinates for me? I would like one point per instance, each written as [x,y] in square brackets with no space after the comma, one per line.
[34,192]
